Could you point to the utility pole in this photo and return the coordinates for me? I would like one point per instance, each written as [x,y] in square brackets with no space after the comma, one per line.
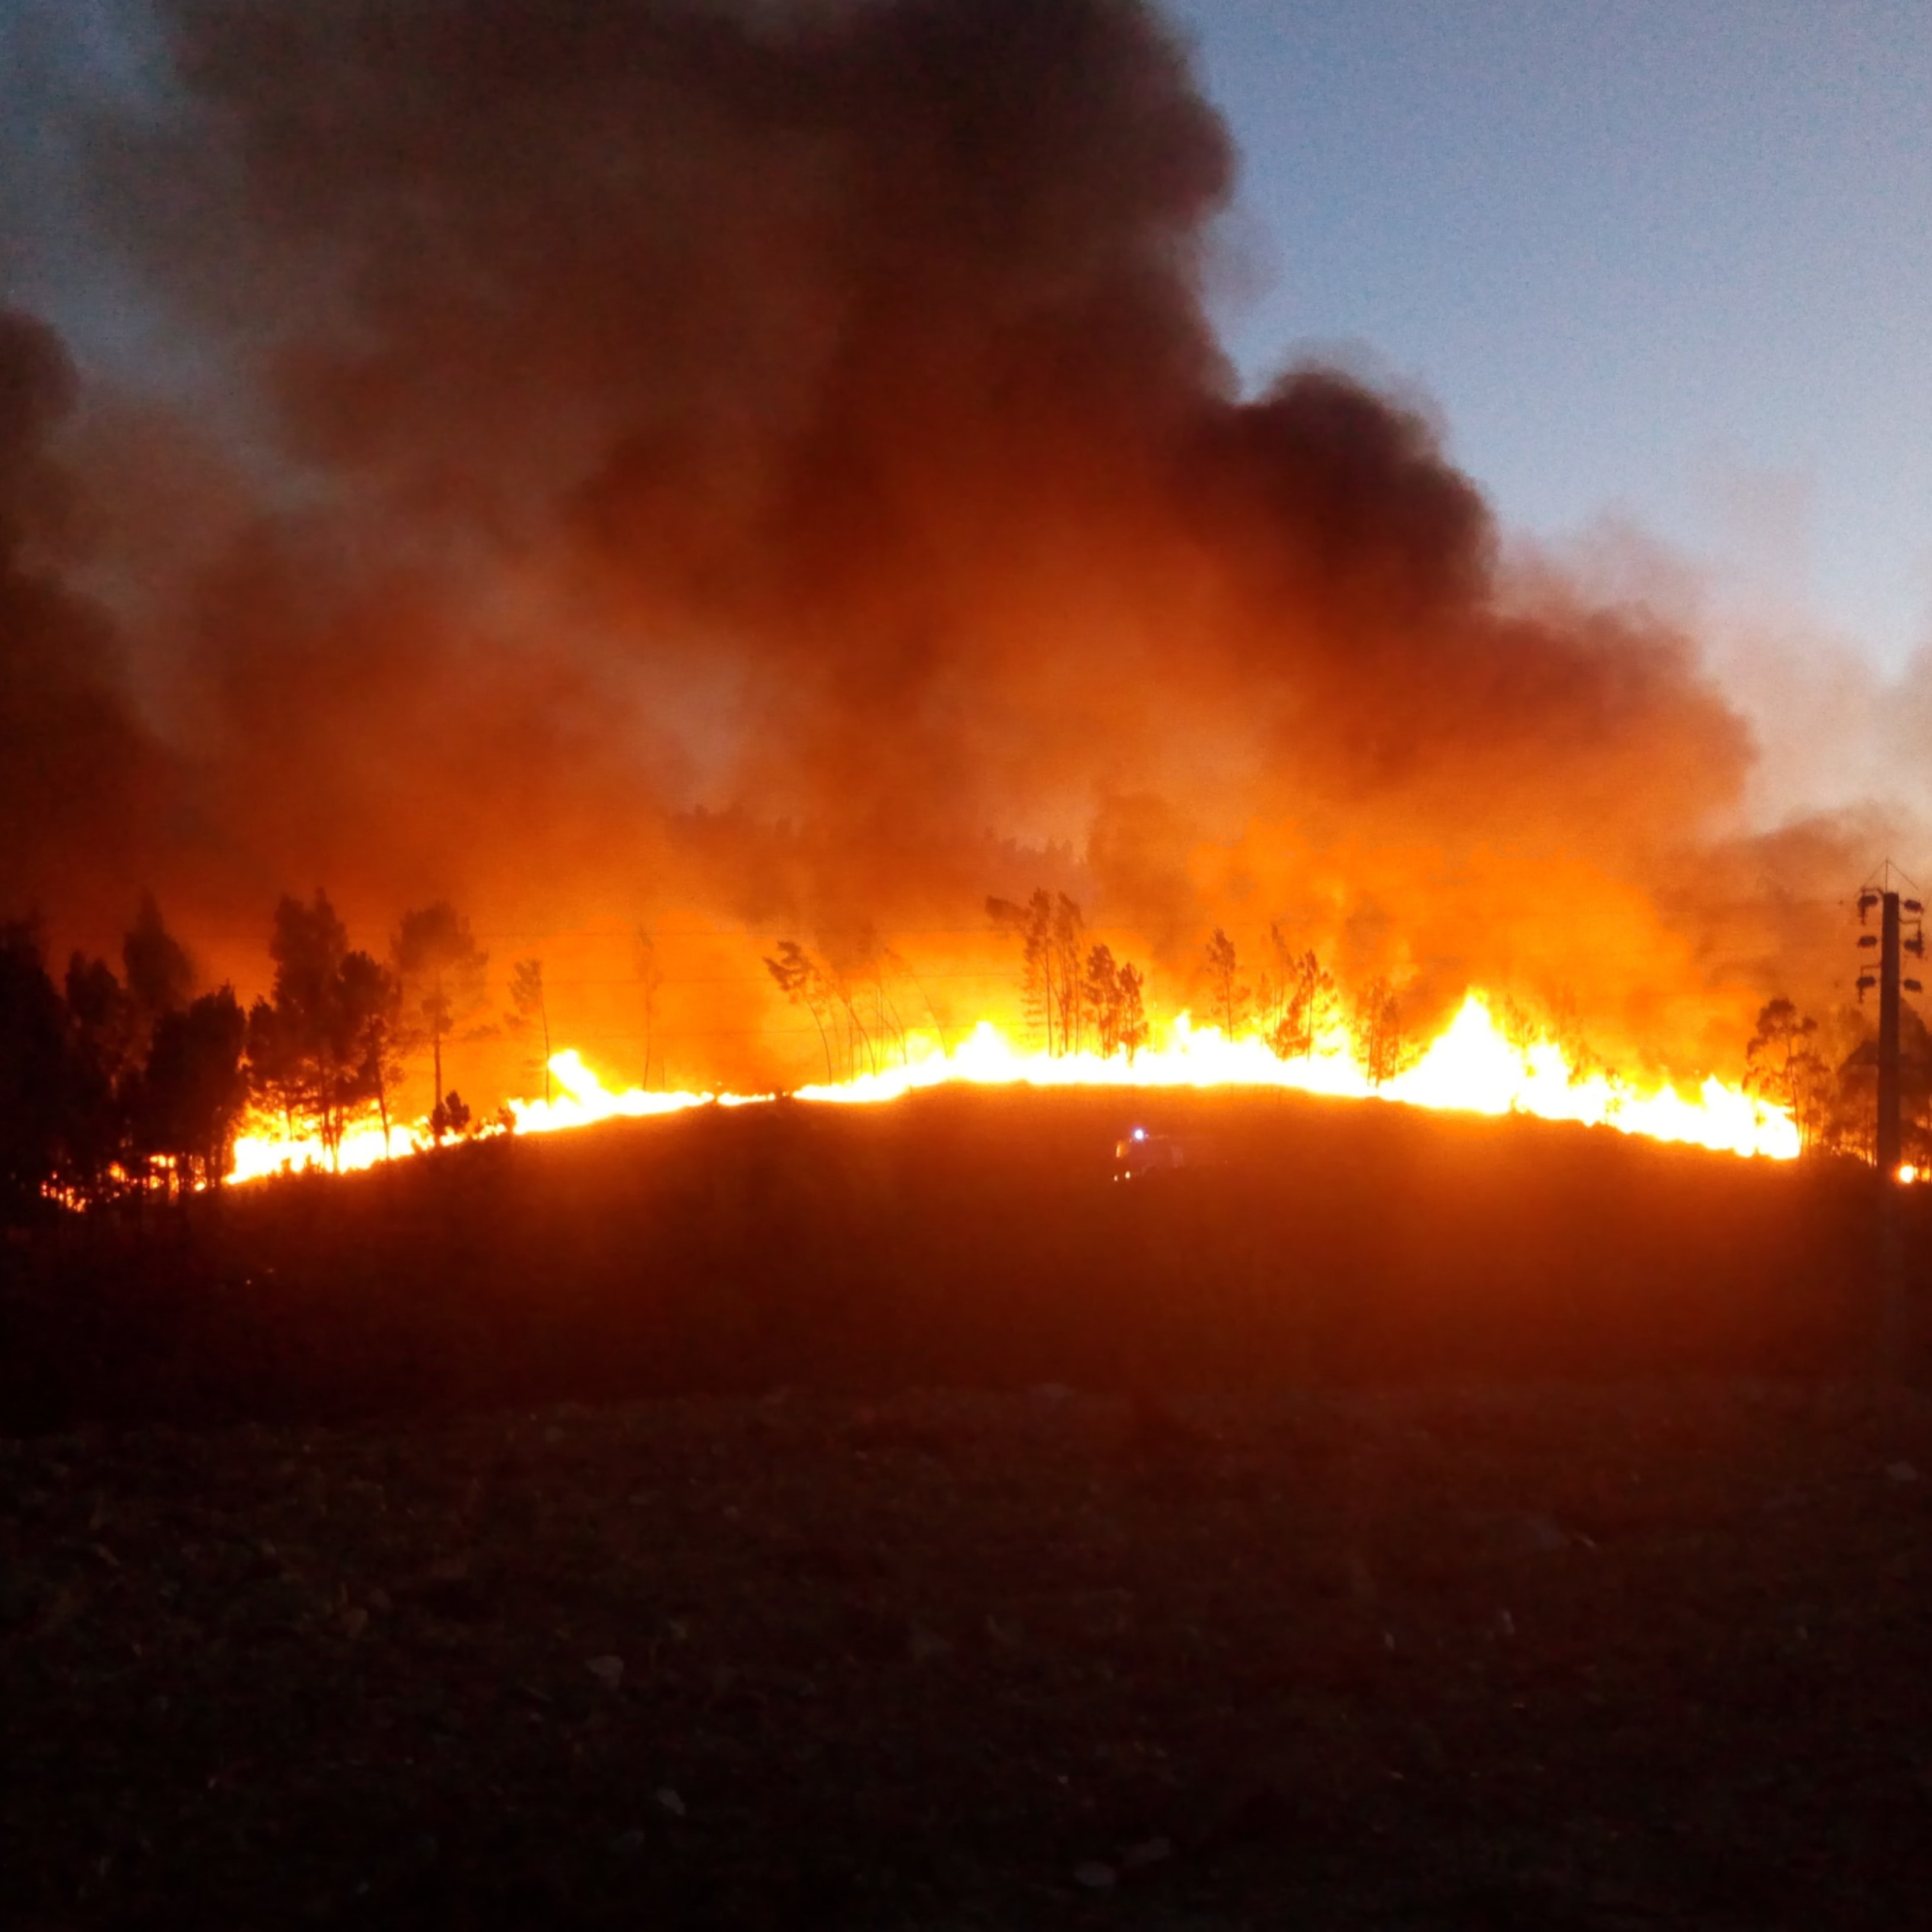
[1897,1341]
[1894,908]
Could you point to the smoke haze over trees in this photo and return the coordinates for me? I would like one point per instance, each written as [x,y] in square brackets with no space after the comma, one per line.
[770,467]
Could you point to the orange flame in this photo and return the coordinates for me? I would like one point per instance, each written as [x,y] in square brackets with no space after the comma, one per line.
[1471,1067]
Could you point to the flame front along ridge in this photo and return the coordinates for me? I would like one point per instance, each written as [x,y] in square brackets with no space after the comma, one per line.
[1470,1067]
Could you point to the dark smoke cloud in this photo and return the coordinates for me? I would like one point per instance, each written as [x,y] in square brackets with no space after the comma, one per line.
[82,784]
[771,461]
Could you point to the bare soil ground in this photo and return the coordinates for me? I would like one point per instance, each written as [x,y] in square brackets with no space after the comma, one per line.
[1537,1656]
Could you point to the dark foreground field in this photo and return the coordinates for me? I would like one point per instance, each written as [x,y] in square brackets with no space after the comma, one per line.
[792,1518]
[1539,1658]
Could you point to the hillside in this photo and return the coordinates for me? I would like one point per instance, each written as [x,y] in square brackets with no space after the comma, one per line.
[965,1238]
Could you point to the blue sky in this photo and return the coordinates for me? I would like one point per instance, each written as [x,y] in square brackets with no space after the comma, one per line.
[1668,262]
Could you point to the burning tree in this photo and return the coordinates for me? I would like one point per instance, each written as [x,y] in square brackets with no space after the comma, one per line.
[195,1087]
[1230,996]
[1786,1069]
[849,986]
[274,1064]
[803,981]
[529,1008]
[1100,992]
[1133,1012]
[1063,951]
[1381,1043]
[442,971]
[1272,986]
[94,1084]
[110,1026]
[1032,924]
[369,1014]
[1307,1004]
[851,998]
[1296,1002]
[1112,996]
[650,972]
[837,991]
[1826,1076]
[322,1044]
[1052,970]
[887,966]
[104,1033]
[33,1057]
[865,979]
[160,975]
[289,1037]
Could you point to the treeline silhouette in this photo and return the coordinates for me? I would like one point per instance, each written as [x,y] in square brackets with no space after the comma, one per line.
[854,1002]
[1825,1074]
[130,1085]
[111,1082]
[1078,998]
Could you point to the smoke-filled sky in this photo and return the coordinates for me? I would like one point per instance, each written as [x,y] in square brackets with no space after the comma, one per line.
[753,468]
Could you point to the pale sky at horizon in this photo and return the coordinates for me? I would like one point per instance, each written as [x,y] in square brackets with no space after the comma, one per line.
[1662,265]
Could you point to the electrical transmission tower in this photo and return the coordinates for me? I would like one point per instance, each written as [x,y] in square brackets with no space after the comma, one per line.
[1882,891]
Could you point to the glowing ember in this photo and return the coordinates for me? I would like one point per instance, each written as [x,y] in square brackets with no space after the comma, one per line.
[1472,1067]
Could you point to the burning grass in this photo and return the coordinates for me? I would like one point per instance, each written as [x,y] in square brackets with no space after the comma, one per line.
[1475,1066]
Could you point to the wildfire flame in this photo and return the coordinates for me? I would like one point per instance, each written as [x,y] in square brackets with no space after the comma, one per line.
[1473,1066]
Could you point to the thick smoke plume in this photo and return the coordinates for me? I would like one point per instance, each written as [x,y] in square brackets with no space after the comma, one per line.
[767,466]
[81,781]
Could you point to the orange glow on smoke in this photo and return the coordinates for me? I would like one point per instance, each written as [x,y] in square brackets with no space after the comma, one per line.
[1471,1067]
